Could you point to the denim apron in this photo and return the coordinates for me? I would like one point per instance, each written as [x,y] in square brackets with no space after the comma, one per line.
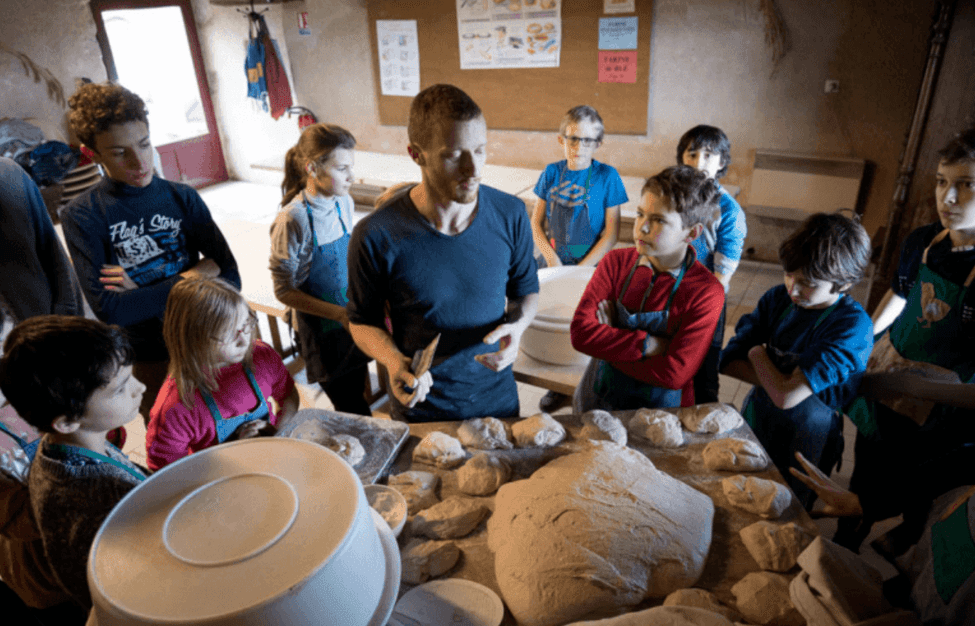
[923,338]
[612,390]
[91,454]
[226,427]
[805,428]
[570,231]
[29,448]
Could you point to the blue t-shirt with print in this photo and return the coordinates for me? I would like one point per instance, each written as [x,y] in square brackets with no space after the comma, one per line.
[719,246]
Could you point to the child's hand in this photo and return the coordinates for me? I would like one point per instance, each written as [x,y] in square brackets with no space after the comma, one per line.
[606,313]
[249,430]
[114,278]
[839,502]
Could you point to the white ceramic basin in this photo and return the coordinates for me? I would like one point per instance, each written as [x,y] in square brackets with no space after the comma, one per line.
[547,338]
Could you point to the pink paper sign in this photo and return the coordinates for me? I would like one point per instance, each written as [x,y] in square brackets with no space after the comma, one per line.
[617,66]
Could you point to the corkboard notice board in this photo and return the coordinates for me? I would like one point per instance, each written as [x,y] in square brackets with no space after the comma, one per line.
[522,99]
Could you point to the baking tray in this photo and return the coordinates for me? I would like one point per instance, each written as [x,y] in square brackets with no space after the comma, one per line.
[382,439]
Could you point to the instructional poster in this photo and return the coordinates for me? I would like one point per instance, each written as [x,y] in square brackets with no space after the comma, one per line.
[399,57]
[509,33]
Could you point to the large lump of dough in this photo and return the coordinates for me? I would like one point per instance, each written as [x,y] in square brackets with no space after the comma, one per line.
[659,427]
[538,431]
[593,532]
[602,426]
[714,418]
[484,433]
[439,449]
[757,495]
[482,475]
[739,455]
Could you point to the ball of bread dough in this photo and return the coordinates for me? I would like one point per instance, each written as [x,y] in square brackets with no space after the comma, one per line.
[484,433]
[451,519]
[757,495]
[602,426]
[714,418]
[661,428]
[663,616]
[311,430]
[763,598]
[701,599]
[775,547]
[483,474]
[347,447]
[423,560]
[739,455]
[538,431]
[419,489]
[439,449]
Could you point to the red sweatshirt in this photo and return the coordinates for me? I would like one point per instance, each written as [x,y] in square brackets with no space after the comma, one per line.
[693,318]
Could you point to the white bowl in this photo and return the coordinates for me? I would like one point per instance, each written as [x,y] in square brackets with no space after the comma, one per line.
[547,337]
[260,531]
[389,504]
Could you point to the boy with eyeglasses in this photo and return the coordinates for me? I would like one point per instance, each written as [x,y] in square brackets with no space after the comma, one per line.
[576,219]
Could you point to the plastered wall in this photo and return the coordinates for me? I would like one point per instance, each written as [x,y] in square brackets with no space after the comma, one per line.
[709,64]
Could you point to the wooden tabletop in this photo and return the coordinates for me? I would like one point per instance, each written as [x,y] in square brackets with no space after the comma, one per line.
[728,560]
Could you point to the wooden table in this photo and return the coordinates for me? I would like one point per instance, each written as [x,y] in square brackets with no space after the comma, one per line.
[559,378]
[728,560]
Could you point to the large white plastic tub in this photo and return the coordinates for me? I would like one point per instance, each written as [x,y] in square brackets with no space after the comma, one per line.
[547,338]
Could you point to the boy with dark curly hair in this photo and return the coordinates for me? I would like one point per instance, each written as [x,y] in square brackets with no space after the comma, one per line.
[134,235]
[805,346]
[648,315]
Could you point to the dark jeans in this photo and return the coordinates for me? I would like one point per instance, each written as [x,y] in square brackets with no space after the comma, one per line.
[706,379]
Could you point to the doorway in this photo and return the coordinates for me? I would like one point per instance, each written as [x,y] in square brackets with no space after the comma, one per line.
[151,48]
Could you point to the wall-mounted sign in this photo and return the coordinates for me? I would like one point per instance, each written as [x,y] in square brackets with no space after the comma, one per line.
[399,57]
[617,33]
[617,66]
[509,33]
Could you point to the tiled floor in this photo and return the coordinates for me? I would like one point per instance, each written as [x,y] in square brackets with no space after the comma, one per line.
[258,203]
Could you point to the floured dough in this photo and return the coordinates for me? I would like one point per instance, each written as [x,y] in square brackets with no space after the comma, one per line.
[763,598]
[484,433]
[538,431]
[347,447]
[602,426]
[661,428]
[715,417]
[733,454]
[419,489]
[483,474]
[663,616]
[701,599]
[439,449]
[311,430]
[453,518]
[775,547]
[423,560]
[593,532]
[757,495]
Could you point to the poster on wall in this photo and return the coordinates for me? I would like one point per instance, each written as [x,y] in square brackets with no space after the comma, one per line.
[399,57]
[497,34]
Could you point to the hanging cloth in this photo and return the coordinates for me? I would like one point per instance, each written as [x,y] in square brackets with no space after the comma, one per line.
[278,87]
[254,67]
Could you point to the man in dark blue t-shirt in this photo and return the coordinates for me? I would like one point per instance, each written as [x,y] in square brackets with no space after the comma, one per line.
[450,257]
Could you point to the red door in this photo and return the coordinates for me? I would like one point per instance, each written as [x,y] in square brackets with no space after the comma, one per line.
[151,48]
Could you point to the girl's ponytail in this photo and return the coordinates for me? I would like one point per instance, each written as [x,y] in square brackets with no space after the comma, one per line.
[294,175]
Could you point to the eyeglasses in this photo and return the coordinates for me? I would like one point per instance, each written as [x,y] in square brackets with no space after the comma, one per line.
[585,142]
[249,325]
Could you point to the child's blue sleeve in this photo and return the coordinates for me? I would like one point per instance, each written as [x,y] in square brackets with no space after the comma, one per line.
[730,236]
[615,191]
[839,347]
[752,329]
[546,181]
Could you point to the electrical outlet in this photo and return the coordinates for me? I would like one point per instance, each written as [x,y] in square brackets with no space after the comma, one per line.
[832,86]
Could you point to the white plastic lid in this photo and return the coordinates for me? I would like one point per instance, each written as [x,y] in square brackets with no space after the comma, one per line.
[225,529]
[560,289]
[450,601]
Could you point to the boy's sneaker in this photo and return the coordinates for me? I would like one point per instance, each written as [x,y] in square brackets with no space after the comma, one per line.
[553,401]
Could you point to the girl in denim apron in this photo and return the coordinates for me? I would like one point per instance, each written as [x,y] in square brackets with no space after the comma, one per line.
[309,250]
[223,384]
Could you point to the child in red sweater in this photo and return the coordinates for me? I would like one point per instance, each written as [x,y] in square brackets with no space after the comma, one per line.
[648,314]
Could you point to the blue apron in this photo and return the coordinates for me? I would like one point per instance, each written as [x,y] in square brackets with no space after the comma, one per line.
[226,427]
[91,454]
[570,231]
[612,389]
[30,449]
[805,428]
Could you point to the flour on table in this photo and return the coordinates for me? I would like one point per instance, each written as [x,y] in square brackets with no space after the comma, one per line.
[347,447]
[701,599]
[483,474]
[423,560]
[538,431]
[484,433]
[594,532]
[714,418]
[763,598]
[661,428]
[439,449]
[419,489]
[663,616]
[451,519]
[775,547]
[757,495]
[602,426]
[732,454]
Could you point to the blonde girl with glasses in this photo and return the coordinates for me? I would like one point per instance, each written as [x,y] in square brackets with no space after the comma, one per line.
[223,383]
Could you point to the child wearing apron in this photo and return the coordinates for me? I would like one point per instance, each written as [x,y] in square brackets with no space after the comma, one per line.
[221,379]
[309,252]
[805,346]
[648,315]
